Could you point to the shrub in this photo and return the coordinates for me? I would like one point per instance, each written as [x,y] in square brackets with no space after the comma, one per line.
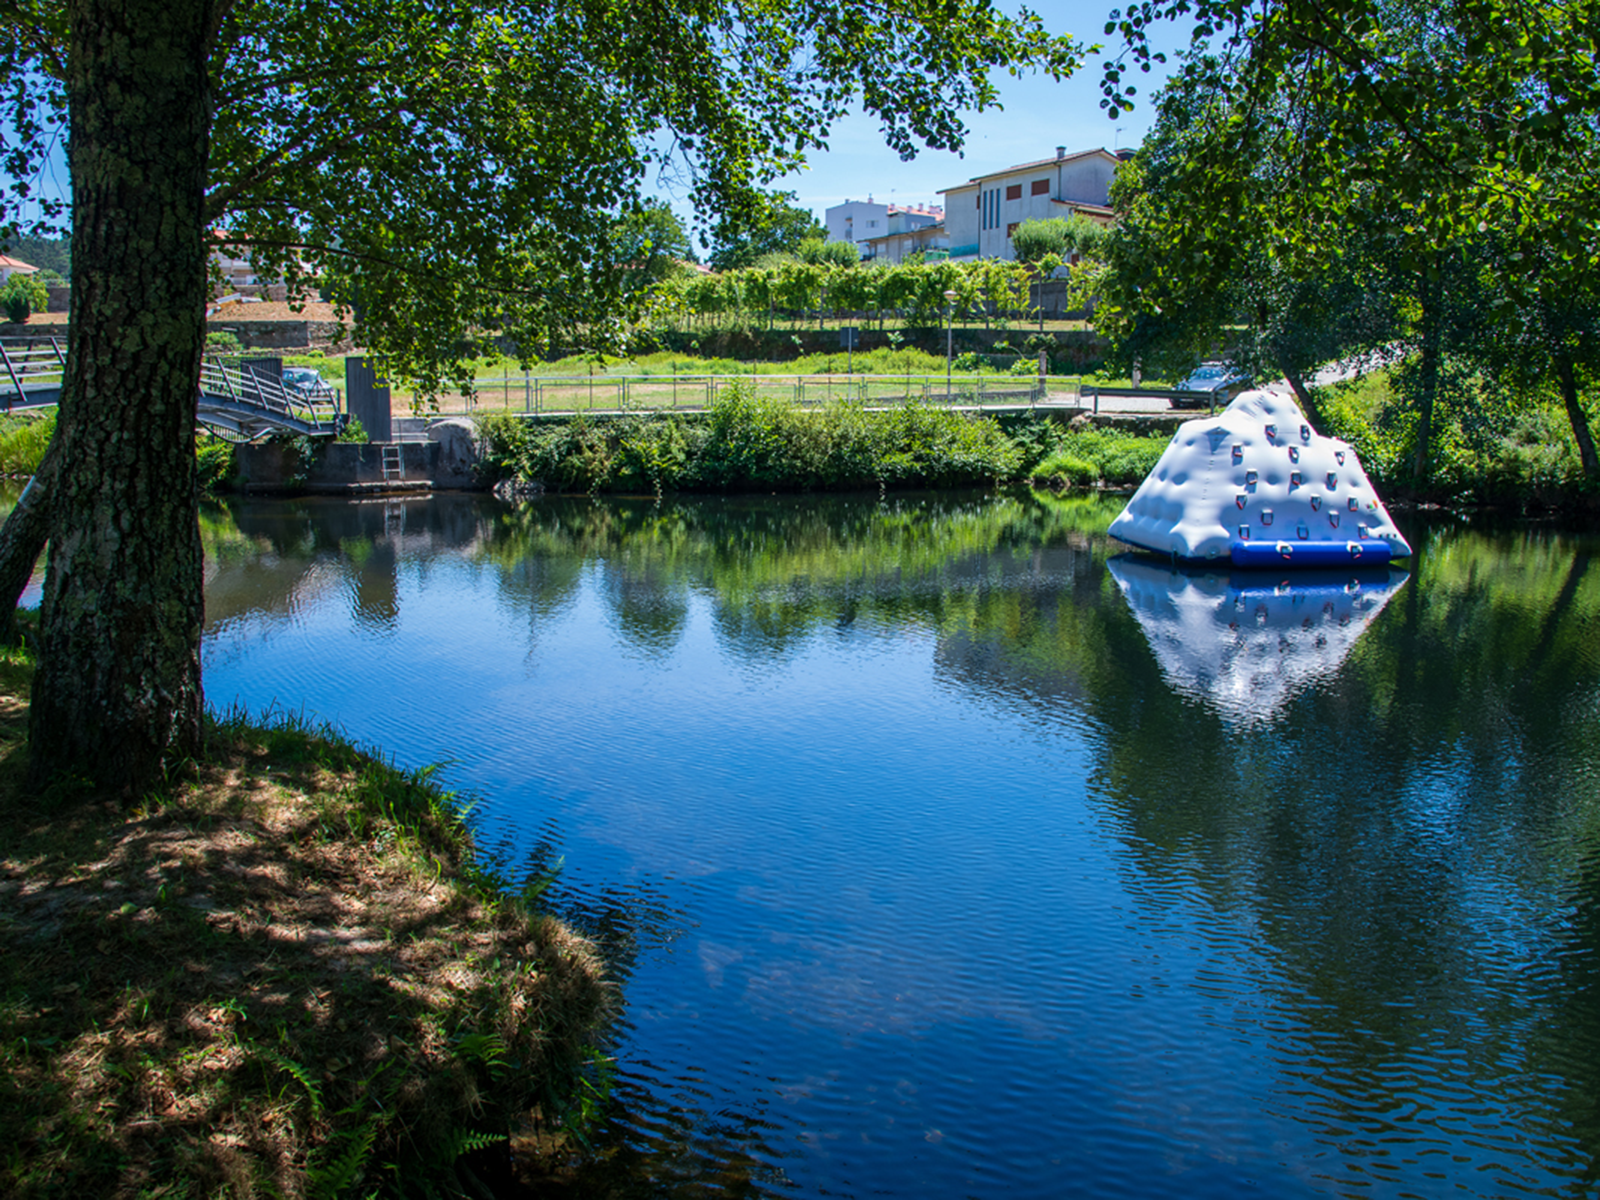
[214,462]
[22,296]
[23,441]
[353,431]
[17,306]
[220,341]
[749,442]
[1068,469]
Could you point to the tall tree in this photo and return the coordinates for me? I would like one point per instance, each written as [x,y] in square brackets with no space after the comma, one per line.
[763,225]
[444,169]
[1468,118]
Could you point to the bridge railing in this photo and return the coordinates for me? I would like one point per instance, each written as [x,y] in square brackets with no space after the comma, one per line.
[265,392]
[30,364]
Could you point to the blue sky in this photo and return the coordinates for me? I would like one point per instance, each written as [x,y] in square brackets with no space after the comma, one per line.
[1037,116]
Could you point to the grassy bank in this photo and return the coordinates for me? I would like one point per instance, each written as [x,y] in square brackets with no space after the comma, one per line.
[290,975]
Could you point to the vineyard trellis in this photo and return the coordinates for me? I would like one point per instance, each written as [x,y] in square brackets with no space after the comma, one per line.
[800,292]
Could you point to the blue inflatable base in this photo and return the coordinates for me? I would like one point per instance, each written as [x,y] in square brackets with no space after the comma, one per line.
[1309,554]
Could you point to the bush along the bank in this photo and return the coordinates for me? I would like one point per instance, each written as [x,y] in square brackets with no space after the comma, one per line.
[23,441]
[1057,456]
[214,462]
[751,443]
[290,976]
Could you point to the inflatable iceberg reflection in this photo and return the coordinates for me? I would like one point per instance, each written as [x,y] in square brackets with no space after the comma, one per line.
[1246,641]
[1255,485]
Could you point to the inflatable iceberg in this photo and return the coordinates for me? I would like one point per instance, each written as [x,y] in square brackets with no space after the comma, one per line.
[1246,642]
[1255,485]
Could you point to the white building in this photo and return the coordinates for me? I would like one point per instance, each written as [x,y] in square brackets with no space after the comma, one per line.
[14,266]
[858,221]
[983,213]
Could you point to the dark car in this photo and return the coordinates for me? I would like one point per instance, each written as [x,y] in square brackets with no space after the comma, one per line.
[1218,382]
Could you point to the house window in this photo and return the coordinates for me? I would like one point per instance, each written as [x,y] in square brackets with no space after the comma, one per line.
[1014,192]
[1040,187]
[1012,228]
[978,200]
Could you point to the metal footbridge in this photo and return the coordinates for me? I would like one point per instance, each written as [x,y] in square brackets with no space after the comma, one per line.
[235,401]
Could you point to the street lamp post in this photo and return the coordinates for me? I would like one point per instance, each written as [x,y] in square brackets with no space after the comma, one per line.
[949,337]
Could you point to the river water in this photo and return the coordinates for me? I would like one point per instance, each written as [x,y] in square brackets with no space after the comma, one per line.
[943,850]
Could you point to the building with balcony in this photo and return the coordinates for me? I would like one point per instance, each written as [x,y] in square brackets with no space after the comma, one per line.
[861,221]
[983,213]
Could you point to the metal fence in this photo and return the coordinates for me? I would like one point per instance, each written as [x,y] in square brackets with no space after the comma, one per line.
[605,394]
[31,369]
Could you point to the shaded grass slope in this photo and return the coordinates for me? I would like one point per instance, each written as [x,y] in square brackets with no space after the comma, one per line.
[291,976]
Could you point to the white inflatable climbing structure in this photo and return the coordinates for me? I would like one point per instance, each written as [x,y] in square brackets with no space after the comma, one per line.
[1257,486]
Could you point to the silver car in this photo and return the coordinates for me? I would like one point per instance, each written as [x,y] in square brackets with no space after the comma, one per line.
[1219,381]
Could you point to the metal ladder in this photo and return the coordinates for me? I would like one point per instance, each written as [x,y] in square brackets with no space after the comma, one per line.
[393,468]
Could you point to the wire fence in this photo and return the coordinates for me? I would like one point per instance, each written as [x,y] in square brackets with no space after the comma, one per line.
[605,394]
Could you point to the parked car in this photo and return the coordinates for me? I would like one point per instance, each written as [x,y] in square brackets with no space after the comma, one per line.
[1219,381]
[309,384]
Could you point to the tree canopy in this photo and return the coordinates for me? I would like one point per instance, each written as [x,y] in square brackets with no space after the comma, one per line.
[444,169]
[1306,149]
[767,224]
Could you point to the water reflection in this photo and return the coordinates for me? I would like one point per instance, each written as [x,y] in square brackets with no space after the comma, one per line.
[1246,641]
[943,856]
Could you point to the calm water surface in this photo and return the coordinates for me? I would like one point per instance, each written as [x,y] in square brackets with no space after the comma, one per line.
[944,851]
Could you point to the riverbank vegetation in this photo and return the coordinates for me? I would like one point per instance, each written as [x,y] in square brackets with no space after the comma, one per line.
[1416,139]
[752,442]
[23,439]
[288,973]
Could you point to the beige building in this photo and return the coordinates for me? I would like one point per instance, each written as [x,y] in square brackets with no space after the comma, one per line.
[983,213]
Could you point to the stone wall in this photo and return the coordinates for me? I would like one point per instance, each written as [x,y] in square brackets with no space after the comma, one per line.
[281,335]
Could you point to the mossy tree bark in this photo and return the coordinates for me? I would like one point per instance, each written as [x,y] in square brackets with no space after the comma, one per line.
[117,693]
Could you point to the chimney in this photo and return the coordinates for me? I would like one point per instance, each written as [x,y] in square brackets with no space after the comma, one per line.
[1061,152]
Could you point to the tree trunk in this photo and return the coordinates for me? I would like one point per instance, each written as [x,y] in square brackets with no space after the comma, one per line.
[117,694]
[1579,419]
[1308,401]
[23,536]
[1428,380]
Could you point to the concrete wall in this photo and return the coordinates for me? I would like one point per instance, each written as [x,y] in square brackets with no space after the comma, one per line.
[446,461]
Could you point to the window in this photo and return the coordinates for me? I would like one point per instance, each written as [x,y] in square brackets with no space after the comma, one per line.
[1040,187]
[978,200]
[1012,228]
[1014,192]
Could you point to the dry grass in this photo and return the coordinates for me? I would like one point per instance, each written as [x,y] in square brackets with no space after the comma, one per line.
[290,980]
